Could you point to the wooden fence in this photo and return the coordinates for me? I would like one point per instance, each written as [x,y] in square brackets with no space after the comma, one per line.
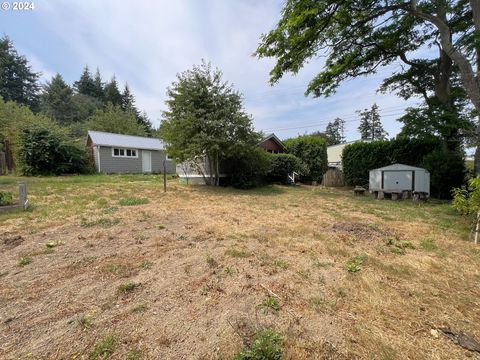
[334,178]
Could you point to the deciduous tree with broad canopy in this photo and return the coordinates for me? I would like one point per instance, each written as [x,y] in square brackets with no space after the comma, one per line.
[360,36]
[205,120]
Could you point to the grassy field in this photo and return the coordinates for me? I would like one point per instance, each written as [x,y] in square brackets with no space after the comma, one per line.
[111,266]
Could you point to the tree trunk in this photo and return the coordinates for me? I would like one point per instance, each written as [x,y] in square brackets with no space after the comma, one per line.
[210,171]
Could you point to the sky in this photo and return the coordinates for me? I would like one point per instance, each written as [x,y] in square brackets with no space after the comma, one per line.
[146,43]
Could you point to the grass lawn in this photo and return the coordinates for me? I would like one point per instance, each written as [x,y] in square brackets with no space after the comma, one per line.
[111,266]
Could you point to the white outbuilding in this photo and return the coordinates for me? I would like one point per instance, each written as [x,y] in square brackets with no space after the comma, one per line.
[399,178]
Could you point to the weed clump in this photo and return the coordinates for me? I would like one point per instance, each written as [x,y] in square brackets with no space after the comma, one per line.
[428,245]
[237,253]
[267,345]
[103,349]
[127,287]
[355,264]
[24,260]
[133,201]
[270,303]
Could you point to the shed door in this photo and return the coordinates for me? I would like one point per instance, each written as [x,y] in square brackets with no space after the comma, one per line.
[397,180]
[146,161]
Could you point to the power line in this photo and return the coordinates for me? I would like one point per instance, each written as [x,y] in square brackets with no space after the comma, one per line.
[325,122]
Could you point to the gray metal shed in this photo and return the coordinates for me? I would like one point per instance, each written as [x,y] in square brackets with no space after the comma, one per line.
[399,177]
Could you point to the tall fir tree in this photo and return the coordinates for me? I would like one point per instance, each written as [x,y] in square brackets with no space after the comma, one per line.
[57,101]
[112,94]
[85,85]
[99,92]
[335,131]
[128,100]
[17,80]
[143,120]
[371,127]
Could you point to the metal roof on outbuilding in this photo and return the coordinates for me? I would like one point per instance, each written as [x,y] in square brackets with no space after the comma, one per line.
[400,167]
[125,141]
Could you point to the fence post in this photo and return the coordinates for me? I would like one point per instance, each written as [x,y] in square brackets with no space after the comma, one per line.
[164,176]
[22,195]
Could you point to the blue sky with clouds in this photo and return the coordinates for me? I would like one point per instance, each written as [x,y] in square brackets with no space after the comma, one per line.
[146,43]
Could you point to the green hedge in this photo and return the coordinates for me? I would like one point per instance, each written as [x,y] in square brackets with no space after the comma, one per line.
[446,169]
[312,150]
[282,165]
[247,169]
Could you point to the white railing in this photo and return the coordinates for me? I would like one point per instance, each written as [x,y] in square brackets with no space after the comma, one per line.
[292,177]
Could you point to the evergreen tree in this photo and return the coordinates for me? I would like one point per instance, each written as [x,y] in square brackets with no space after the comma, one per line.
[128,100]
[85,85]
[335,132]
[143,120]
[113,119]
[57,101]
[98,92]
[112,94]
[17,80]
[370,125]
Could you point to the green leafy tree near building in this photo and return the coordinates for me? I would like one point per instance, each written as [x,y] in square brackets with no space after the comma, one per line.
[17,80]
[205,119]
[371,127]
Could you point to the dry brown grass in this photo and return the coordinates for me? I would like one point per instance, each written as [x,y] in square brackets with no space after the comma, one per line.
[290,242]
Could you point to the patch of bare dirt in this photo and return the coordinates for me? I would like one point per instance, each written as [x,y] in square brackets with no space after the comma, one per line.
[12,241]
[361,230]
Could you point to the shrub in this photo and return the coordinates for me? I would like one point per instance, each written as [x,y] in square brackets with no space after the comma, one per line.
[45,151]
[467,200]
[248,168]
[446,169]
[283,165]
[312,150]
[6,198]
[267,345]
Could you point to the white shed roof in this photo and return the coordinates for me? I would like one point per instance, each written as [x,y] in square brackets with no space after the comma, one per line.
[125,141]
[400,167]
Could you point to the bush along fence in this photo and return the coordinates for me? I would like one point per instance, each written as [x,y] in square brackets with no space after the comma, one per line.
[447,169]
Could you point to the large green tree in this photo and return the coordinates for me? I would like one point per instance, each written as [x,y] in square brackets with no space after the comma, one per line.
[114,120]
[335,131]
[98,92]
[371,127]
[205,119]
[17,80]
[57,101]
[85,85]
[112,93]
[358,37]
